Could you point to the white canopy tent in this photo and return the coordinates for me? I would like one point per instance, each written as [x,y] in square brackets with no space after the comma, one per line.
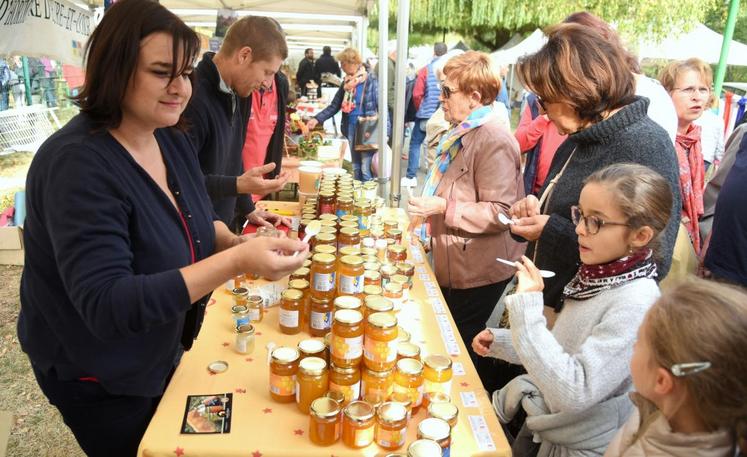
[700,42]
[529,45]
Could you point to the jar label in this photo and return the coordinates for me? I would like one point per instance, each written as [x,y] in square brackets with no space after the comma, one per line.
[342,212]
[347,348]
[364,436]
[376,388]
[351,392]
[288,319]
[351,284]
[340,246]
[380,351]
[324,282]
[241,320]
[321,321]
[254,314]
[390,438]
[283,386]
[363,222]
[432,386]
[415,393]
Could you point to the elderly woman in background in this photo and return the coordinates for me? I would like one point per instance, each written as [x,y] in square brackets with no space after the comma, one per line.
[475,177]
[584,83]
[358,96]
[689,84]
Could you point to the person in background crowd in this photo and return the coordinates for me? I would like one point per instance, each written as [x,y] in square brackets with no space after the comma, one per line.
[689,373]
[251,54]
[5,84]
[425,96]
[660,107]
[475,177]
[265,132]
[689,84]
[305,73]
[358,96]
[578,373]
[591,98]
[503,94]
[122,249]
[326,64]
[18,85]
[711,137]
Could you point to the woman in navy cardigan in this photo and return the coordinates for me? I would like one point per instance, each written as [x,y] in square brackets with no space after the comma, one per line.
[122,245]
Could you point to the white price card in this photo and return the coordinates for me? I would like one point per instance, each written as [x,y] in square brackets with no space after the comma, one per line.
[420,269]
[482,433]
[447,333]
[469,399]
[458,369]
[422,276]
[437,305]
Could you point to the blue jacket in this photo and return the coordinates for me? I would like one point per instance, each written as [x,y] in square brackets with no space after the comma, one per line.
[430,102]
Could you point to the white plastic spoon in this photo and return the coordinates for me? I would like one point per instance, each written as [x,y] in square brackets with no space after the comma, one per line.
[505,220]
[543,273]
[311,230]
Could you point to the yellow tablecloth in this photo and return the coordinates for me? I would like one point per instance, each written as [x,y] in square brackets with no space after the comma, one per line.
[261,427]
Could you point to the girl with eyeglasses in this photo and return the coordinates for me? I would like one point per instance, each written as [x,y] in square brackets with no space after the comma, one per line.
[578,376]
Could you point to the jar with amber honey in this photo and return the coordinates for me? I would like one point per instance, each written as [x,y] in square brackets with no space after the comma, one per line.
[347,302]
[348,237]
[407,350]
[396,253]
[437,374]
[320,319]
[325,238]
[290,311]
[256,306]
[239,295]
[301,273]
[303,286]
[326,202]
[323,276]
[325,423]
[380,342]
[408,378]
[379,382]
[371,278]
[387,271]
[358,424]
[407,269]
[347,338]
[377,304]
[344,206]
[325,249]
[283,371]
[391,425]
[347,381]
[350,276]
[445,411]
[311,383]
[313,348]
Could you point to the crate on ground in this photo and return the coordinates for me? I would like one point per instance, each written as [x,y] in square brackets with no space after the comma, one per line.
[11,245]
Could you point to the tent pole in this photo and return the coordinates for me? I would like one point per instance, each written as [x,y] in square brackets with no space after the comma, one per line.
[27,80]
[731,22]
[383,89]
[398,124]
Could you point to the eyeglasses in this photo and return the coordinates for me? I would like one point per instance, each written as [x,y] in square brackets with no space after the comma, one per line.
[592,224]
[692,90]
[446,91]
[541,103]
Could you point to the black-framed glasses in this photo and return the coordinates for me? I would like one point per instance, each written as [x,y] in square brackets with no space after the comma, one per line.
[592,224]
[447,91]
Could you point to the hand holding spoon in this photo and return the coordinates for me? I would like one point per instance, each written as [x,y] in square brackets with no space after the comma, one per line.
[505,220]
[543,273]
[311,230]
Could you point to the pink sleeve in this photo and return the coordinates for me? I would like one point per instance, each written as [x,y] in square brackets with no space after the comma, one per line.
[530,131]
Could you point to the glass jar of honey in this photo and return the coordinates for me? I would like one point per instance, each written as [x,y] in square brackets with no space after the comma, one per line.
[303,286]
[336,395]
[312,382]
[445,411]
[306,264]
[283,370]
[435,397]
[347,338]
[349,217]
[370,259]
[391,224]
[325,238]
[326,202]
[320,320]
[348,237]
[394,234]
[391,425]
[239,295]
[313,348]
[380,342]
[323,276]
[377,304]
[240,315]
[325,424]
[328,226]
[371,278]
[387,271]
[344,206]
[396,253]
[349,250]
[290,311]
[393,291]
[364,211]
[379,382]
[325,249]
[407,350]
[424,448]
[350,276]
[437,373]
[358,424]
[328,217]
[349,224]
[408,378]
[437,430]
[347,302]
[403,399]
[371,290]
[347,381]
[407,269]
[402,281]
[256,306]
[301,273]
[372,266]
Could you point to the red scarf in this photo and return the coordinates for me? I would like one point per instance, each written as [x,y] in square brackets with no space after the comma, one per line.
[692,181]
[350,84]
[591,280]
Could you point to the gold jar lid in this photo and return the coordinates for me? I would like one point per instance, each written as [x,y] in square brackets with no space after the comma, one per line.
[303,271]
[300,284]
[246,329]
[344,200]
[396,248]
[424,448]
[382,320]
[325,407]
[328,229]
[240,291]
[392,412]
[291,294]
[284,354]
[311,346]
[371,275]
[406,268]
[308,214]
[372,289]
[325,249]
[400,279]
[350,250]
[359,411]
[324,259]
[391,223]
[370,185]
[312,366]
[349,224]
[328,222]
[403,336]
[349,231]
[325,238]
[393,287]
[255,299]
[328,217]
[347,302]
[379,304]
[437,362]
[336,396]
[348,316]
[372,266]
[394,233]
[370,258]
[443,410]
[388,270]
[349,217]
[327,193]
[369,251]
[411,367]
[351,260]
[378,374]
[343,370]
[408,350]
[434,429]
[239,309]
[306,263]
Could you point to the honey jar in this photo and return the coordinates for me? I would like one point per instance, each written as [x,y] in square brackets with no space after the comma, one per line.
[325,238]
[424,448]
[239,295]
[349,224]
[402,281]
[445,411]
[435,397]
[283,370]
[403,399]
[323,276]
[347,381]
[348,237]
[394,234]
[312,382]
[372,266]
[350,276]
[396,253]
[313,348]
[380,342]
[290,310]
[377,304]
[240,315]
[364,211]
[255,304]
[301,273]
[326,202]
[391,425]
[325,424]
[328,217]
[328,227]
[407,350]
[387,271]
[369,252]
[347,302]
[344,206]
[347,338]
[320,320]
[337,396]
[393,291]
[390,224]
[408,378]
[349,218]
[358,424]
[244,339]
[379,382]
[304,310]
[349,250]
[371,278]
[437,430]
[407,269]
[437,374]
[325,249]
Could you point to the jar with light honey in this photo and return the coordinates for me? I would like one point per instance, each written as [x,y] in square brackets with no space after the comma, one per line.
[323,276]
[348,302]
[407,269]
[256,307]
[380,382]
[358,424]
[240,295]
[377,304]
[445,411]
[312,382]
[303,286]
[290,311]
[347,381]
[391,425]
[437,373]
[325,423]
[326,202]
[283,371]
[325,238]
[371,278]
[393,291]
[380,342]
[349,250]
[320,319]
[396,253]
[301,273]
[347,338]
[437,430]
[350,277]
[313,348]
[325,249]
[344,206]
[407,350]
[387,271]
[348,237]
[408,378]
[364,211]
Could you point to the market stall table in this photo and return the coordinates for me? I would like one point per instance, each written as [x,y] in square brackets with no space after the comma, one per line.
[331,156]
[261,427]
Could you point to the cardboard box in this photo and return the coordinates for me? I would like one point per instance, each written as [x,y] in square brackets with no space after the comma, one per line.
[11,246]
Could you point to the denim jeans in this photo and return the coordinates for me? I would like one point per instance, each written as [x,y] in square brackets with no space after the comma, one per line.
[362,165]
[416,141]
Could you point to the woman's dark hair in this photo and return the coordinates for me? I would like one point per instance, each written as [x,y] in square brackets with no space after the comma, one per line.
[112,55]
[580,67]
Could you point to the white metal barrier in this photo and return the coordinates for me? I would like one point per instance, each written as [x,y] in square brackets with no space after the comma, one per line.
[26,128]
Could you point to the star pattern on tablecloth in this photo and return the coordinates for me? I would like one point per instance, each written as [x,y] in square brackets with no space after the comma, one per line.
[298,432]
[256,454]
[249,359]
[211,302]
[464,384]
[240,391]
[267,410]
[179,451]
[226,344]
[211,373]
[257,333]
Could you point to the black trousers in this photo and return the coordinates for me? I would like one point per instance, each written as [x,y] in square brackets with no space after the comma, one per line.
[470,309]
[104,425]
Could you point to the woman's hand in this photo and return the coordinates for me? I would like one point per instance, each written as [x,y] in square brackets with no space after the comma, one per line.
[482,341]
[530,228]
[529,276]
[311,123]
[526,207]
[261,217]
[271,258]
[426,206]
